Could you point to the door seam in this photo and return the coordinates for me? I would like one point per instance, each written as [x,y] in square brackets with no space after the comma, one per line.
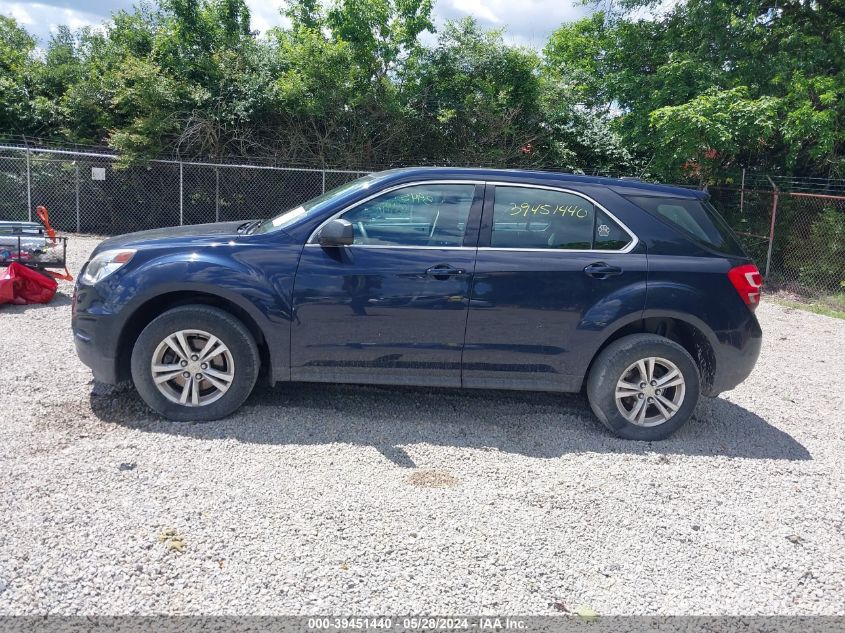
[471,287]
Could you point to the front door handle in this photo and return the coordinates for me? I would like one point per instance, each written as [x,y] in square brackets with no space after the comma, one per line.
[601,270]
[444,271]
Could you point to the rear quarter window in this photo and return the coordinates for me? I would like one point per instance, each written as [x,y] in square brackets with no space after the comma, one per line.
[697,219]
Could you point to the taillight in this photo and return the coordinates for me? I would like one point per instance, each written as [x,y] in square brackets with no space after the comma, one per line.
[747,280]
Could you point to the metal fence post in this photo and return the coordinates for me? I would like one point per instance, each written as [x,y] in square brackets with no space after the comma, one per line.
[181,197]
[742,193]
[324,181]
[775,194]
[28,187]
[216,194]
[78,223]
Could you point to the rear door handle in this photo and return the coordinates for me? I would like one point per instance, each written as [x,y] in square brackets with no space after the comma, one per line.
[444,271]
[601,270]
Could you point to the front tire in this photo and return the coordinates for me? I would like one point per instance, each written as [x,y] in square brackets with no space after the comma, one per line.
[195,363]
[643,387]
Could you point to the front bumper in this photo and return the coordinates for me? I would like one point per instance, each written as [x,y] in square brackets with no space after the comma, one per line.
[95,335]
[103,367]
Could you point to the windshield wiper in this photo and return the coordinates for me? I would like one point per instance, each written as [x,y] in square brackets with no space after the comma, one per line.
[247,227]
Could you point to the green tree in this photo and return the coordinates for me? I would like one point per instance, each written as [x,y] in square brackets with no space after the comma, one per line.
[695,90]
[704,136]
[339,78]
[477,100]
[573,60]
[578,108]
[689,83]
[187,77]
[20,107]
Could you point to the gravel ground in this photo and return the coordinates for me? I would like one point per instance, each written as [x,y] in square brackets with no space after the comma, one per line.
[363,500]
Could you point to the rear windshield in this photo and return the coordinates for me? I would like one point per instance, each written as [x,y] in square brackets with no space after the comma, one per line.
[697,218]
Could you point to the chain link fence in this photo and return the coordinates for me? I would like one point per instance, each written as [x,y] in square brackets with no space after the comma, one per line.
[86,192]
[796,238]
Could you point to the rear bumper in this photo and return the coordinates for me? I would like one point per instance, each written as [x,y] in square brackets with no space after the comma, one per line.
[736,356]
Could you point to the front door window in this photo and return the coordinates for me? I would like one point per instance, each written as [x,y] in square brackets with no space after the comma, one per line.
[420,215]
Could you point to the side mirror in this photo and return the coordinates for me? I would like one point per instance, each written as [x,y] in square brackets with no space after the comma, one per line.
[337,232]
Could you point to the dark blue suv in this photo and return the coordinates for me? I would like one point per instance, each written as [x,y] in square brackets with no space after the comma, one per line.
[439,277]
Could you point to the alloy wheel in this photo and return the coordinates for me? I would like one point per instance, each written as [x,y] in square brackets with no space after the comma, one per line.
[192,368]
[650,391]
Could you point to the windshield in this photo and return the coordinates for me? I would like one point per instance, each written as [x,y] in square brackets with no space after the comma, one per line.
[315,205]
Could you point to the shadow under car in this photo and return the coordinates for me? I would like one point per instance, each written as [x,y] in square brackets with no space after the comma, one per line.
[535,424]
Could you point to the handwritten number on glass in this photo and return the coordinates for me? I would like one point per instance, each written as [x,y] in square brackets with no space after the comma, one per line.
[569,210]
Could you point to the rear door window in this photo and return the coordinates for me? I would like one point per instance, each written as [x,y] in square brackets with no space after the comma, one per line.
[696,218]
[528,217]
[608,235]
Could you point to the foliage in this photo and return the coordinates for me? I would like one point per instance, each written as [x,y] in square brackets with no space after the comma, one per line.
[17,105]
[706,134]
[573,59]
[692,90]
[476,100]
[703,87]
[348,83]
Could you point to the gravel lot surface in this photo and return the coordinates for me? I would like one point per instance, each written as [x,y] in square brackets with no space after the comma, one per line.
[364,500]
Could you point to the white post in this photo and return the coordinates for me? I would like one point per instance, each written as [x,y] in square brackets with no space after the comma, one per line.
[28,187]
[324,181]
[181,197]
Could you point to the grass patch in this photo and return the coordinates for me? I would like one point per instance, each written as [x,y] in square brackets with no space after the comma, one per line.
[837,302]
[817,308]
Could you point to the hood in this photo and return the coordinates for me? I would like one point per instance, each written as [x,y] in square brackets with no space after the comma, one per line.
[192,234]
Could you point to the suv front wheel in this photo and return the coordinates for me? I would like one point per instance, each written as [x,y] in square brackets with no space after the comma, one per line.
[195,362]
[643,387]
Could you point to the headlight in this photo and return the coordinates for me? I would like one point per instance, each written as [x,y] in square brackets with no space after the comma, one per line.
[105,263]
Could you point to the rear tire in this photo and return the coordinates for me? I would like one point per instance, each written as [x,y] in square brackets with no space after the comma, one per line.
[643,387]
[195,363]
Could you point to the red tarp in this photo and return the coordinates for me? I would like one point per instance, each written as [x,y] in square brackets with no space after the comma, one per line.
[21,285]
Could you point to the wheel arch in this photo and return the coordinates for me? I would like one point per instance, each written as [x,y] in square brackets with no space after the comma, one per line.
[691,336]
[144,314]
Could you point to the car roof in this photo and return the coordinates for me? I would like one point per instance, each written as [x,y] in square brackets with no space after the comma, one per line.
[623,186]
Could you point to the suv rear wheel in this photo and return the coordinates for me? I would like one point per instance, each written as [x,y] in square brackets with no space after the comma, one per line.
[643,387]
[195,362]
